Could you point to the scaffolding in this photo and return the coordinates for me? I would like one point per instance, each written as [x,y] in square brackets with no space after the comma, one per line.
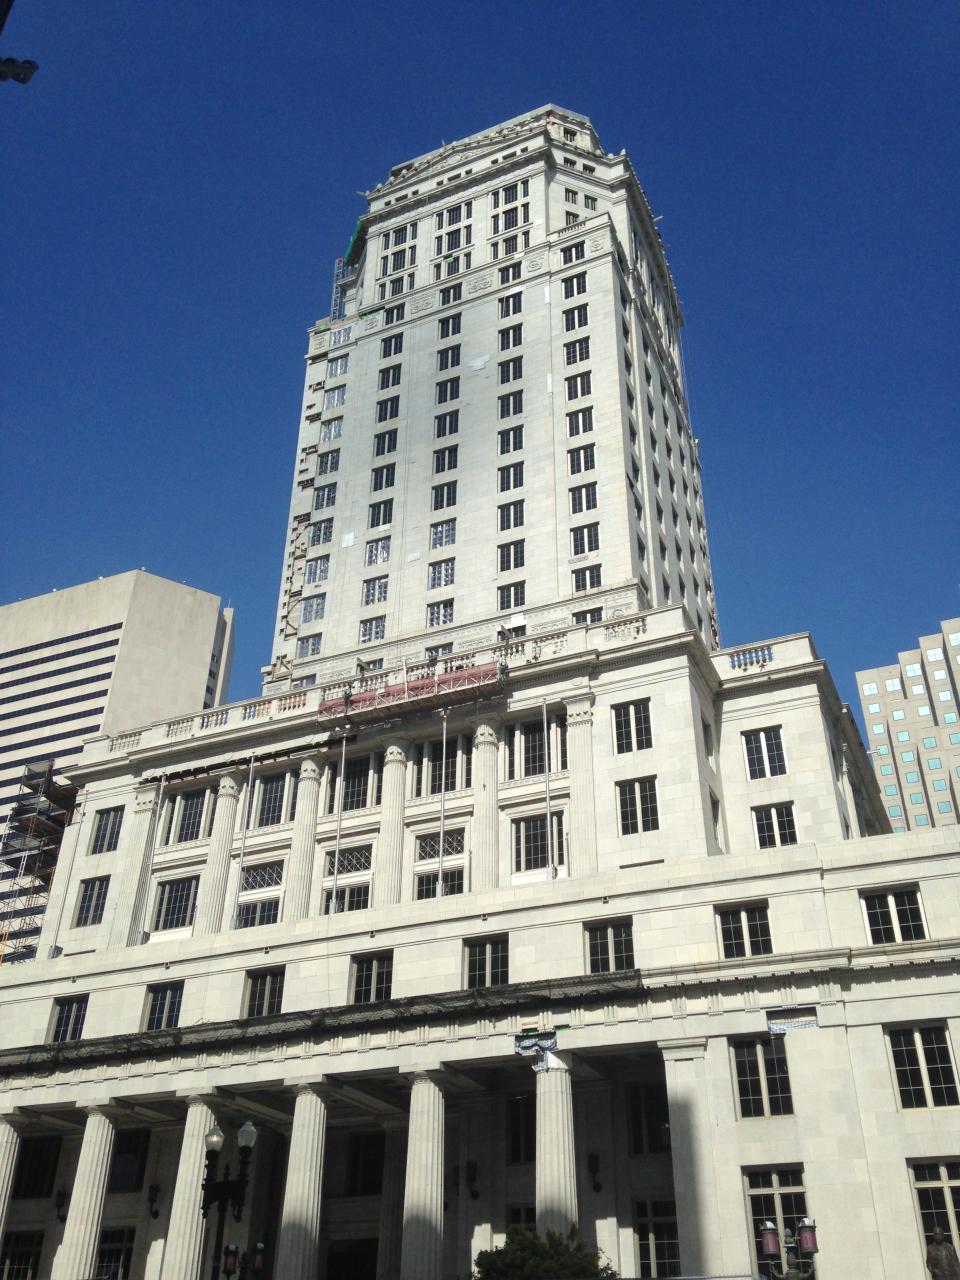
[29,848]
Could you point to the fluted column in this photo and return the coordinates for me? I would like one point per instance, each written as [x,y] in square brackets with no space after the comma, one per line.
[212,893]
[126,928]
[181,1255]
[691,1145]
[9,1149]
[300,1224]
[391,1201]
[422,1254]
[77,1255]
[299,872]
[556,1161]
[485,831]
[583,817]
[390,843]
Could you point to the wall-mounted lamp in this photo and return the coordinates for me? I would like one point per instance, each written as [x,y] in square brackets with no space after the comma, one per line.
[62,1201]
[153,1195]
[471,1179]
[593,1167]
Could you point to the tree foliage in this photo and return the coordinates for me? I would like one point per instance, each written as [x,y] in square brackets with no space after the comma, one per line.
[526,1256]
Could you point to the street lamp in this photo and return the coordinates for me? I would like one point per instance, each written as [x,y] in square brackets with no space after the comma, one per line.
[794,1246]
[243,1264]
[225,1192]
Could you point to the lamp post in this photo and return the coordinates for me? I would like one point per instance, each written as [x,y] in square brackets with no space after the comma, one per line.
[226,1192]
[242,1265]
[794,1247]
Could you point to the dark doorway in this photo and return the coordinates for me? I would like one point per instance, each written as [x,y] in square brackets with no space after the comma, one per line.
[352,1260]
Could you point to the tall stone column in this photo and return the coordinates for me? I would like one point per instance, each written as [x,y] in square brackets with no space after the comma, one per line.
[212,893]
[422,1253]
[9,1150]
[299,871]
[485,832]
[133,887]
[77,1254]
[391,1200]
[389,868]
[181,1254]
[691,1142]
[556,1161]
[300,1224]
[583,817]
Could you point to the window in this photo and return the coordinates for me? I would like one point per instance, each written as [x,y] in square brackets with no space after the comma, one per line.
[658,1242]
[631,726]
[129,1162]
[20,1255]
[257,912]
[777,1196]
[582,459]
[573,253]
[325,495]
[353,897]
[383,477]
[375,590]
[579,421]
[522,1129]
[69,1015]
[576,351]
[510,305]
[387,409]
[587,579]
[610,946]
[923,1067]
[452,293]
[512,596]
[93,897]
[584,538]
[440,574]
[510,439]
[764,753]
[328,462]
[163,1006]
[511,337]
[365,1164]
[334,397]
[510,556]
[439,613]
[391,346]
[312,610]
[444,495]
[510,515]
[36,1170]
[744,931]
[444,533]
[589,202]
[372,977]
[428,882]
[584,617]
[377,552]
[272,790]
[893,915]
[264,992]
[115,1253]
[445,459]
[486,963]
[510,476]
[309,647]
[574,285]
[380,513]
[775,825]
[511,272]
[317,570]
[638,806]
[176,903]
[446,424]
[937,1188]
[320,532]
[583,498]
[373,629]
[510,370]
[578,385]
[763,1084]
[448,327]
[337,366]
[575,317]
[106,830]
[332,429]
[531,849]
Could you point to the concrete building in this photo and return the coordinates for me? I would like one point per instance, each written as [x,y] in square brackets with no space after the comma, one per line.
[100,657]
[547,914]
[910,712]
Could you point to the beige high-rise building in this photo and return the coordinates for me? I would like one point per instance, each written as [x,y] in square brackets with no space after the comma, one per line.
[496,909]
[910,712]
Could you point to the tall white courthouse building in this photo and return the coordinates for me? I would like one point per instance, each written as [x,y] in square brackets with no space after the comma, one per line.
[515,898]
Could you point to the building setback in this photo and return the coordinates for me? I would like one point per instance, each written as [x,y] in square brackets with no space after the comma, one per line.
[910,710]
[549,912]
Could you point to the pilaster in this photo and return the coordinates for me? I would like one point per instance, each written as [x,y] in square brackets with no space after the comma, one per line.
[300,1224]
[694,1177]
[583,816]
[485,829]
[556,1160]
[422,1253]
[212,893]
[389,865]
[77,1254]
[299,870]
[133,887]
[181,1255]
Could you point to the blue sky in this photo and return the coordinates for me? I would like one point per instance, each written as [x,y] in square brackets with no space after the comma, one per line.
[179,177]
